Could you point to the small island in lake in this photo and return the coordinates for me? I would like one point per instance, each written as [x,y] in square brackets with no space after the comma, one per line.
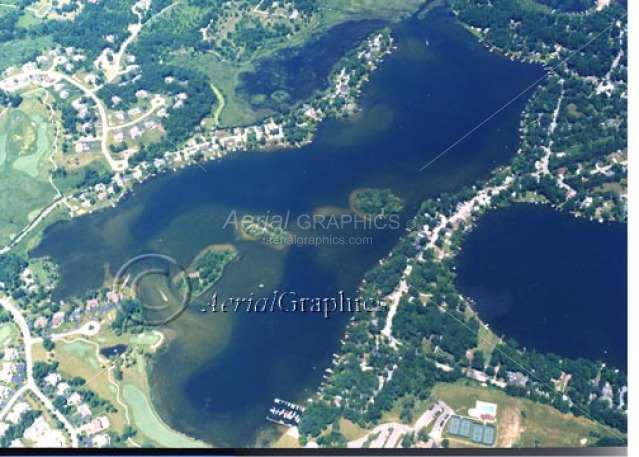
[266,231]
[370,202]
[208,267]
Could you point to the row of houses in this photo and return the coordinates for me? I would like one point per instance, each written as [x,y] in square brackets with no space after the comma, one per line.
[83,416]
[12,374]
[93,308]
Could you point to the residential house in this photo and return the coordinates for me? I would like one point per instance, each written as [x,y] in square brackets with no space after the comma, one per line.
[52,379]
[40,322]
[102,440]
[7,372]
[62,388]
[516,379]
[58,319]
[96,425]
[74,399]
[84,411]
[17,411]
[92,304]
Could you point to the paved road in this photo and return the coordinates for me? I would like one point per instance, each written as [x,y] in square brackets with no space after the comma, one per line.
[116,165]
[391,433]
[31,385]
[440,423]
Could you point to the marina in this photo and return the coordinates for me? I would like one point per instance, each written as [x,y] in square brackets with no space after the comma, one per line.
[285,413]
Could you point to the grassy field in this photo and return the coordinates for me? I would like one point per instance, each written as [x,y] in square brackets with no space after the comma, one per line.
[37,145]
[351,430]
[520,422]
[147,421]
[8,332]
[25,138]
[336,11]
[224,76]
[18,52]
[487,341]
[286,442]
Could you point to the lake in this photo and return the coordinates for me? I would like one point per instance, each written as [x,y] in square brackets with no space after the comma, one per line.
[220,372]
[553,282]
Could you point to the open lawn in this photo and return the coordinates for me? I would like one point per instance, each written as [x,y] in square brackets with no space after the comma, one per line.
[336,11]
[78,358]
[286,442]
[520,422]
[24,169]
[351,430]
[8,332]
[19,51]
[35,147]
[22,196]
[147,421]
[20,133]
[487,341]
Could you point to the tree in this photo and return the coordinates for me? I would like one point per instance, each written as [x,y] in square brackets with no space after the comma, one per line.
[479,361]
[408,440]
[48,344]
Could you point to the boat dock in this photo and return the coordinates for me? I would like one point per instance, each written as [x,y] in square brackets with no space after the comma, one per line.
[285,413]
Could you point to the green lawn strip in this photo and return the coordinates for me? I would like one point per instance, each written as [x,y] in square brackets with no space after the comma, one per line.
[149,423]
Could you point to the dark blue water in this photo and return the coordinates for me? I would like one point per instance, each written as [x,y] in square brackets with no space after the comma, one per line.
[113,351]
[553,282]
[569,6]
[219,374]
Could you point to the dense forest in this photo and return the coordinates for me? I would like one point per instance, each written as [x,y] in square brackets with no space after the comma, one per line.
[11,266]
[208,268]
[129,318]
[89,29]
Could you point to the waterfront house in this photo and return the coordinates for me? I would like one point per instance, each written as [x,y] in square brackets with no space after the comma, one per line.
[58,319]
[92,304]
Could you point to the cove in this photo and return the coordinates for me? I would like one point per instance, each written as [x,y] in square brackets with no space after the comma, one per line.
[551,281]
[219,373]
